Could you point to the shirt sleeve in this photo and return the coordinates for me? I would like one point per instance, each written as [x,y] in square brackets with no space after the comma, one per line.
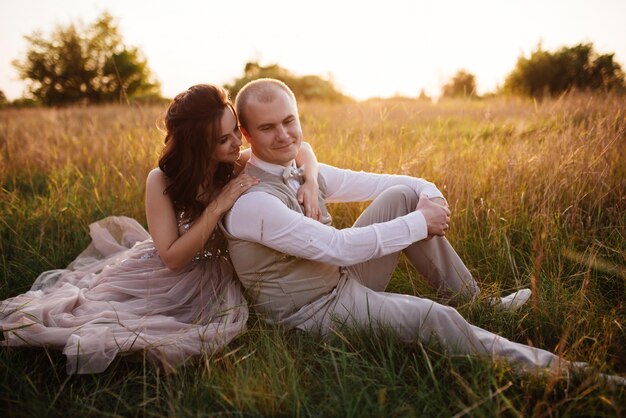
[358,186]
[263,218]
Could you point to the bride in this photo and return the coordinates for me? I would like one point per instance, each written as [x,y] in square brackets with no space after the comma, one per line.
[171,294]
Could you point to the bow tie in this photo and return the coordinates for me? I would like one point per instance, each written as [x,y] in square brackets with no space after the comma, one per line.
[293,172]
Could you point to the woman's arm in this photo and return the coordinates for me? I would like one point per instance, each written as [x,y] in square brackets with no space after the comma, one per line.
[308,192]
[177,251]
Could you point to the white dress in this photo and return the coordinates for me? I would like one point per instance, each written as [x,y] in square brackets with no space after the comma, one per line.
[118,297]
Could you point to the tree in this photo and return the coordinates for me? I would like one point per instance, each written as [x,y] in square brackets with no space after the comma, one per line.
[578,67]
[4,102]
[463,84]
[308,87]
[89,65]
[423,97]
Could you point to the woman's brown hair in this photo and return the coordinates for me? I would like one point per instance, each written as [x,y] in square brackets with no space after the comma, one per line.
[192,127]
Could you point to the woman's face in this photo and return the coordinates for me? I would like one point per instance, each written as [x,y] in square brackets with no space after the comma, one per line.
[229,141]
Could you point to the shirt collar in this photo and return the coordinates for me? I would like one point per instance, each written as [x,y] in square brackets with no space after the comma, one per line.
[275,169]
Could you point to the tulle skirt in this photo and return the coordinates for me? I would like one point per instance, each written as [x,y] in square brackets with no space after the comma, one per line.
[118,297]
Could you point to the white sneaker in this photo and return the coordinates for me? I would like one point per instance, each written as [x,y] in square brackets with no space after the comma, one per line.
[513,301]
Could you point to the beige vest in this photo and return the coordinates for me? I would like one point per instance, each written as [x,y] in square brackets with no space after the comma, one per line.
[279,284]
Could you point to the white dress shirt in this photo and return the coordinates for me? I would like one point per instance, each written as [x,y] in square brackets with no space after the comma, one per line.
[263,218]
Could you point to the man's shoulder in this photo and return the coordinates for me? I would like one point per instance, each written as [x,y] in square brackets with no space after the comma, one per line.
[256,195]
[276,190]
[253,203]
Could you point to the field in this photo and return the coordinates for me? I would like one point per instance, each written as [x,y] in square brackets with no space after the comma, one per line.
[538,196]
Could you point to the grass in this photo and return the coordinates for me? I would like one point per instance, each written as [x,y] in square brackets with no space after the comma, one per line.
[538,196]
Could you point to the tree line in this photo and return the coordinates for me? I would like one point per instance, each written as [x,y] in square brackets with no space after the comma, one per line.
[92,64]
[545,74]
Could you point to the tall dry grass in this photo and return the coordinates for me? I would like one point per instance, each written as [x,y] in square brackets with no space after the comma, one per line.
[538,195]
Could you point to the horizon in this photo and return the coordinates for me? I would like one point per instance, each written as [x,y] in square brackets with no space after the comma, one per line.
[365,50]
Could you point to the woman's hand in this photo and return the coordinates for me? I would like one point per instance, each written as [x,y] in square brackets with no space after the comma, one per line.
[308,192]
[231,192]
[308,198]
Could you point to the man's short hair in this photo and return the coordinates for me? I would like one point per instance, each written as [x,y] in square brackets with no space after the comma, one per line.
[262,90]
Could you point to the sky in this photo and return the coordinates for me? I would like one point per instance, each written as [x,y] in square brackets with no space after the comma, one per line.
[367,48]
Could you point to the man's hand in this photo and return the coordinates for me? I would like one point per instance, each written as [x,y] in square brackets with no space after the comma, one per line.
[440,201]
[437,216]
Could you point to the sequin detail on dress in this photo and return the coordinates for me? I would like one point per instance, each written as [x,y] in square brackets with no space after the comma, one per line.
[215,247]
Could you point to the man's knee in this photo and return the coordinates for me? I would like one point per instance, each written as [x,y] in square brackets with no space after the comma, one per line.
[401,195]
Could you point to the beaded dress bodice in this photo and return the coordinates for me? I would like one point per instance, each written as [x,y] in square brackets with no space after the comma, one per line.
[215,247]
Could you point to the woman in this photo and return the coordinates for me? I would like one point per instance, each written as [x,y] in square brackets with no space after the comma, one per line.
[173,294]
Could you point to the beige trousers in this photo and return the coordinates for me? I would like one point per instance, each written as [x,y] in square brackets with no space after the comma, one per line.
[359,299]
[434,259]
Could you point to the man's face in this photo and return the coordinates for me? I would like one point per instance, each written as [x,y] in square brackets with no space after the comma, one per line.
[274,131]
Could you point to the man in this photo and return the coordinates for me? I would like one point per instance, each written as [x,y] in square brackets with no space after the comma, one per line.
[308,275]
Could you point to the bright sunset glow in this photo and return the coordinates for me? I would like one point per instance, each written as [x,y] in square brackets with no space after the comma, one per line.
[370,48]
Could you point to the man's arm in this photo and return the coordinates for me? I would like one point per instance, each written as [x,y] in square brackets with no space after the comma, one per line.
[263,218]
[356,186]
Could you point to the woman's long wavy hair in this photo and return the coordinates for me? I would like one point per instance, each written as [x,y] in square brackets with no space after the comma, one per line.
[193,124]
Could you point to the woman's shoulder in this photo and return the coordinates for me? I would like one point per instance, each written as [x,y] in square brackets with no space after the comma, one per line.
[156,175]
[156,172]
[156,181]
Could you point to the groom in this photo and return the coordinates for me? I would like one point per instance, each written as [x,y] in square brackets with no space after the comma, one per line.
[308,275]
